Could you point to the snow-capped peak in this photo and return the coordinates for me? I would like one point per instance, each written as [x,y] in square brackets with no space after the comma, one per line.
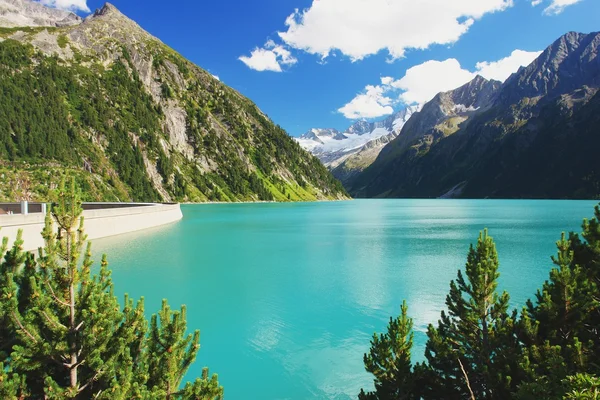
[330,143]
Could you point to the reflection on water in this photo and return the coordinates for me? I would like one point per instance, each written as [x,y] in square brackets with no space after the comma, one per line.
[287,296]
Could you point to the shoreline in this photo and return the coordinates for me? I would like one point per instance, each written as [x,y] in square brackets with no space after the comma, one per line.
[267,202]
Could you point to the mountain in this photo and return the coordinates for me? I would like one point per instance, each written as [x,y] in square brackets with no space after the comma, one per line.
[132,119]
[350,152]
[27,13]
[534,136]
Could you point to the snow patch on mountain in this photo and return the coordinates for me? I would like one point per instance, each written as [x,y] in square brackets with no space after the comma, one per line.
[461,108]
[330,145]
[327,144]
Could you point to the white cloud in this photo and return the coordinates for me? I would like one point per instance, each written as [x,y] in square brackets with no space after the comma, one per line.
[501,69]
[359,28]
[269,58]
[556,6]
[69,5]
[422,82]
[216,77]
[371,103]
[262,60]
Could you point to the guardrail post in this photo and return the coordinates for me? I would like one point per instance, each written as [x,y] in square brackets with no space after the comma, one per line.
[24,207]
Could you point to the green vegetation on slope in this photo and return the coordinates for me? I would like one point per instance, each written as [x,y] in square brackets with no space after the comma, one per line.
[194,139]
[63,334]
[46,105]
[481,350]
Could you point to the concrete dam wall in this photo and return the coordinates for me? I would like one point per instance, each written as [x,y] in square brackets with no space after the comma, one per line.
[101,220]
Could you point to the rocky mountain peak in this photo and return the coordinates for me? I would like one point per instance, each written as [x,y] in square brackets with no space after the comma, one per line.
[360,127]
[475,94]
[109,12]
[478,80]
[107,9]
[109,22]
[318,134]
[567,64]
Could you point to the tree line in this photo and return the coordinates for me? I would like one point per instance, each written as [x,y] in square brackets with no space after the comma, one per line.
[480,349]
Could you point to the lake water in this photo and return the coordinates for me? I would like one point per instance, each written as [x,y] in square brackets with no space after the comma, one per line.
[287,296]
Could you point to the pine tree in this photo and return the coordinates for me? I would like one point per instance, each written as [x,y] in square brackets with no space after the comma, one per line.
[473,351]
[64,335]
[11,261]
[389,361]
[586,255]
[170,355]
[477,352]
[68,323]
[560,329]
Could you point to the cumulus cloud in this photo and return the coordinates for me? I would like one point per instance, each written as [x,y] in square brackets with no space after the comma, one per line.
[501,69]
[359,28]
[69,5]
[271,57]
[556,6]
[371,103]
[422,82]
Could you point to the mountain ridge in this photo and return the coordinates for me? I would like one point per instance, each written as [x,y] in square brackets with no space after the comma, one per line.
[142,122]
[516,121]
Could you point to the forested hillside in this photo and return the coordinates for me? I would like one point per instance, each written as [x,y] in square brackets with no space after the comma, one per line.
[134,120]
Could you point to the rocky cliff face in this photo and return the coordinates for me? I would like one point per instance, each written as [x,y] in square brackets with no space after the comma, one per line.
[480,140]
[27,13]
[570,63]
[445,113]
[143,122]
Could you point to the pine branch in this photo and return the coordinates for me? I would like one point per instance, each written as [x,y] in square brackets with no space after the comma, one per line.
[90,381]
[53,294]
[18,321]
[57,324]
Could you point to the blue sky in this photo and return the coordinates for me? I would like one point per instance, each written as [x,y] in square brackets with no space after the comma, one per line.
[339,60]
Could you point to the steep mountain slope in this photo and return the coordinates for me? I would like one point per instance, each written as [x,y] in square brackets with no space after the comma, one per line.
[347,167]
[133,120]
[348,153]
[522,139]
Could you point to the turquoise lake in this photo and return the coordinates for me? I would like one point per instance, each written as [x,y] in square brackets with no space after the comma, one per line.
[287,296]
